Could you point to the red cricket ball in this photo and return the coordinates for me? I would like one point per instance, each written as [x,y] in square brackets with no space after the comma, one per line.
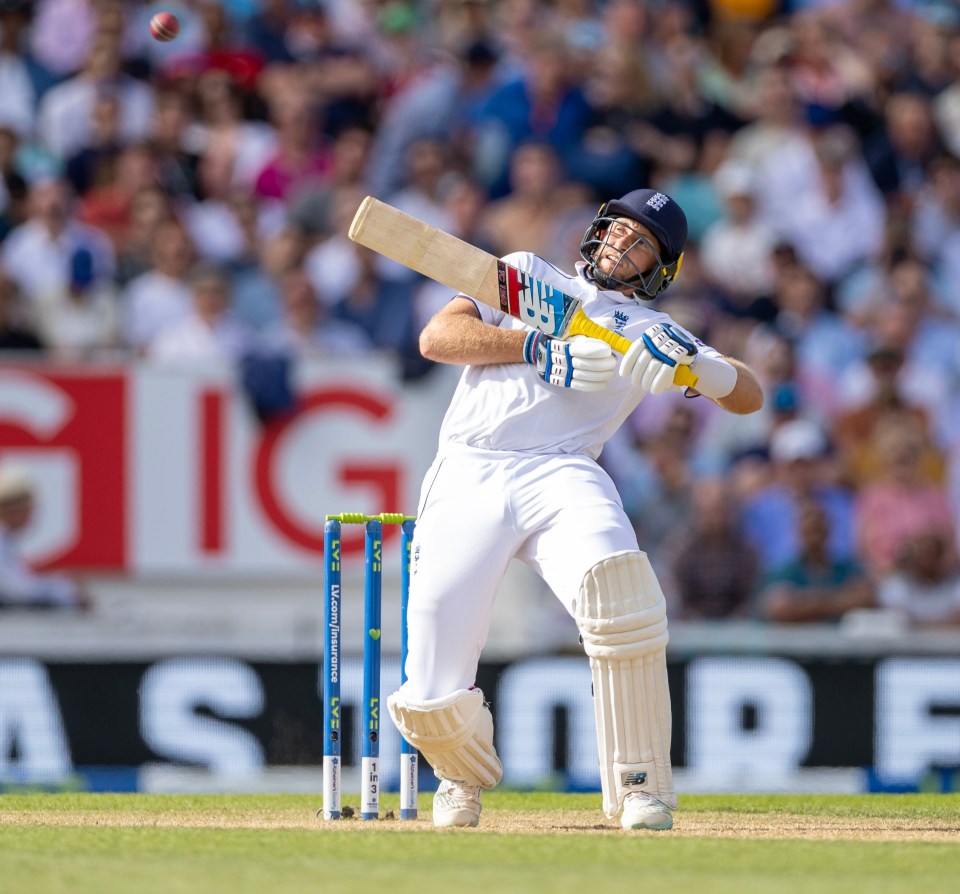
[164,26]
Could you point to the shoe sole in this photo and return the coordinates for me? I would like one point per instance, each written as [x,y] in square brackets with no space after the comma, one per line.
[470,825]
[656,827]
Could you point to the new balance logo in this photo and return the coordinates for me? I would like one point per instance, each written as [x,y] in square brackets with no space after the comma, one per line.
[634,779]
[657,201]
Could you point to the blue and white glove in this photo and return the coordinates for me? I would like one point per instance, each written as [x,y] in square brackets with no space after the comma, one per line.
[652,359]
[651,362]
[583,363]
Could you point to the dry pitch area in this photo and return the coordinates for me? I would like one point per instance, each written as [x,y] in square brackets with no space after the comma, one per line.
[855,818]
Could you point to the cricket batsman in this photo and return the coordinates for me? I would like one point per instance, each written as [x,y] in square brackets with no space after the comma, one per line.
[516,476]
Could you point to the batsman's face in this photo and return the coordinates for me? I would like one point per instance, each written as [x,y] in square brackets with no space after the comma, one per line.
[628,249]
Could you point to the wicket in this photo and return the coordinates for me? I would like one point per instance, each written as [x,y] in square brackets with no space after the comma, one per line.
[373,579]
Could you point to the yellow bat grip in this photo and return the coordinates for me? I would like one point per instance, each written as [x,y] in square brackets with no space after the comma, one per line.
[581,324]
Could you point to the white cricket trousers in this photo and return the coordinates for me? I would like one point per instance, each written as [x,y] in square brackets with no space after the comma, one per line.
[478,510]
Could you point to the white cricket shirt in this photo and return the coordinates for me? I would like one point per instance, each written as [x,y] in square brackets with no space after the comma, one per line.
[509,407]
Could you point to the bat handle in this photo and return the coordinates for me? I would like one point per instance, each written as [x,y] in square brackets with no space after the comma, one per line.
[583,325]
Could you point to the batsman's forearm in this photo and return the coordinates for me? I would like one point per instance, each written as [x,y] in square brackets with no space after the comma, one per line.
[462,339]
[747,395]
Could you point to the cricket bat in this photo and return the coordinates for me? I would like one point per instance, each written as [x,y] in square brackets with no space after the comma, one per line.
[465,268]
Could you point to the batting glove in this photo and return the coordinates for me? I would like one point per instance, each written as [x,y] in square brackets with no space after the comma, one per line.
[652,359]
[583,363]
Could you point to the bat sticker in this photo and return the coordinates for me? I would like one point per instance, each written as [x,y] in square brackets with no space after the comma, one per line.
[535,302]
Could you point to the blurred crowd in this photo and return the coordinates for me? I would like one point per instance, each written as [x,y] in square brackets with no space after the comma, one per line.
[187,201]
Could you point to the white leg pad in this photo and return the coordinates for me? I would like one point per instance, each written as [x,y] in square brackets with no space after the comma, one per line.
[454,733]
[622,617]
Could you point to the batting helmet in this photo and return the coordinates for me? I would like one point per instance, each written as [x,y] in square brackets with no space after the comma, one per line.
[663,217]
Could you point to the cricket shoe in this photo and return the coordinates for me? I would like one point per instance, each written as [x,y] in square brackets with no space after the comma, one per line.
[643,811]
[456,805]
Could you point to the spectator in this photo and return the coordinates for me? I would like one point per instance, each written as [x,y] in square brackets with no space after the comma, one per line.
[772,356]
[269,29]
[829,74]
[930,69]
[460,23]
[176,162]
[302,152]
[21,587]
[333,262]
[925,585]
[936,230]
[545,102]
[94,164]
[160,297]
[424,107]
[13,185]
[305,330]
[713,569]
[228,222]
[814,586]
[902,314]
[802,471]
[900,150]
[37,253]
[223,124]
[65,113]
[342,74]
[946,104]
[224,48]
[149,208]
[209,334]
[651,469]
[255,276]
[935,225]
[880,398]
[22,78]
[61,34]
[737,251]
[837,222]
[481,74]
[426,163]
[685,121]
[826,345]
[427,171]
[82,320]
[382,308]
[464,203]
[620,91]
[311,207]
[107,205]
[526,218]
[16,332]
[900,504]
[775,144]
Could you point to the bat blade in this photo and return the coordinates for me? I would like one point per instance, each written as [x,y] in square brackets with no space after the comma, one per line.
[437,255]
[463,267]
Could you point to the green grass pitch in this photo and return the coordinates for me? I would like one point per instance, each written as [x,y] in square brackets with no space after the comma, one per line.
[824,844]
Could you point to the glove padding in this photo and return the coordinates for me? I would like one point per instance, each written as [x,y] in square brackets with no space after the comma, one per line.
[583,363]
[652,359]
